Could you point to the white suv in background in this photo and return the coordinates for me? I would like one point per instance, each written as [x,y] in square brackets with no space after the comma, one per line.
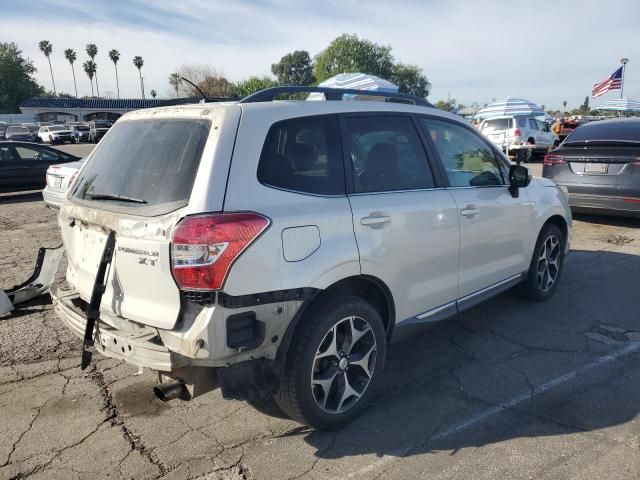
[276,247]
[516,130]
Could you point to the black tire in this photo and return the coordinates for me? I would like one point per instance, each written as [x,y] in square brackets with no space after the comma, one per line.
[296,396]
[51,142]
[533,286]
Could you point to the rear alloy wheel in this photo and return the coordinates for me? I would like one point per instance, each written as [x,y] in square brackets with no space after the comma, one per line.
[335,359]
[546,265]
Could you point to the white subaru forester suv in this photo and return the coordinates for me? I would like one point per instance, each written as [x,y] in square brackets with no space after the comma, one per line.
[276,247]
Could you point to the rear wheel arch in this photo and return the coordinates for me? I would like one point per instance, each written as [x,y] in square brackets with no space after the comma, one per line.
[369,288]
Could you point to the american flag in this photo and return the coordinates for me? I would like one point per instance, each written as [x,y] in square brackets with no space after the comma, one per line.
[612,82]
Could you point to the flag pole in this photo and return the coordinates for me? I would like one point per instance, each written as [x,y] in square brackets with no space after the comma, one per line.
[624,62]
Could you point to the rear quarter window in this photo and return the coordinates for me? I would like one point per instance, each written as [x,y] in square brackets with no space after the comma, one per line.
[154,161]
[303,155]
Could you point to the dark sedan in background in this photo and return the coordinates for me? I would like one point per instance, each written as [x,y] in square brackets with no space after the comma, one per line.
[24,165]
[599,164]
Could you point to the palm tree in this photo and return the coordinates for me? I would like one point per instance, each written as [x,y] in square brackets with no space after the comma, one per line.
[174,81]
[139,62]
[564,106]
[47,48]
[71,56]
[90,69]
[92,51]
[114,55]
[153,93]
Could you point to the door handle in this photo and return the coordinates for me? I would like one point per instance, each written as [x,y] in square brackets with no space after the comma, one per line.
[469,211]
[372,221]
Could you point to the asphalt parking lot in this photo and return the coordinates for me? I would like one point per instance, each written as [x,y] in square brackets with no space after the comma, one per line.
[511,389]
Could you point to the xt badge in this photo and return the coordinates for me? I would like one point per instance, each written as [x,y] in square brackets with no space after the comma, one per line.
[147,261]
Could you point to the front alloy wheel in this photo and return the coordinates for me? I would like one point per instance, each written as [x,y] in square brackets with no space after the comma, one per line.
[548,267]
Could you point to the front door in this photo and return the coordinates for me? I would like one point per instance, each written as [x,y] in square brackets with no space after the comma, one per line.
[495,227]
[407,230]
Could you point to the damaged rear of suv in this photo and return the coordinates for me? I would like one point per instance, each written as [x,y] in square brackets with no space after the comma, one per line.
[274,248]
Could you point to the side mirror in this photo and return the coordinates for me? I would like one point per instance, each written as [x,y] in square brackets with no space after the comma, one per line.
[518,178]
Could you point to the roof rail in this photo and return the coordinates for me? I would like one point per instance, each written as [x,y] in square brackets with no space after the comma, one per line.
[269,94]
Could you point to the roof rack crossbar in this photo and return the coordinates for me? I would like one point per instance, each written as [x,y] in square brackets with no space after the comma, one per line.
[269,94]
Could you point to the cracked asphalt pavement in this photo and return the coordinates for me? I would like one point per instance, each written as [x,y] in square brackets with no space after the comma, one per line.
[510,389]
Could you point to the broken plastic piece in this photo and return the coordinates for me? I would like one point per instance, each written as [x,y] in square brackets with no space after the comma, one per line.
[37,284]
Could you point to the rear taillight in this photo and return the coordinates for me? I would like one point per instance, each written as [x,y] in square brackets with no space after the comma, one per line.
[553,159]
[517,132]
[636,162]
[204,247]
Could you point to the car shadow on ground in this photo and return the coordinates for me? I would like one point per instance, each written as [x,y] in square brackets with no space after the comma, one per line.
[491,374]
[27,196]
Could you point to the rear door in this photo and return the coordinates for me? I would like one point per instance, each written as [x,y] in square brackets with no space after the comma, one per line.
[11,170]
[495,227]
[34,162]
[406,227]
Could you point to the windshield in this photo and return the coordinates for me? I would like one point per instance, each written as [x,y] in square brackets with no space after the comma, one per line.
[102,124]
[153,161]
[81,128]
[56,128]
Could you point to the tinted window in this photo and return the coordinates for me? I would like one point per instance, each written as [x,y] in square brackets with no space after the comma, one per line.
[533,124]
[625,130]
[151,160]
[386,154]
[303,154]
[467,159]
[6,154]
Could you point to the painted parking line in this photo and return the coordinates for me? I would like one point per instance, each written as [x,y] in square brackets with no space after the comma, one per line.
[509,404]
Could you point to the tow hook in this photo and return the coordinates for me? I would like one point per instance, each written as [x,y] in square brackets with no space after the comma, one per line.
[37,284]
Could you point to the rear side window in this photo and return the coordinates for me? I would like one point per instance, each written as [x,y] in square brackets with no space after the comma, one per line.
[303,155]
[497,124]
[147,163]
[386,154]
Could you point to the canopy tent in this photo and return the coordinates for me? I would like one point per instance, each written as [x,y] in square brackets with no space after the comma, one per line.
[357,81]
[510,106]
[621,105]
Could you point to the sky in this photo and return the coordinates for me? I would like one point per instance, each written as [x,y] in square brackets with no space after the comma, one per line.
[471,50]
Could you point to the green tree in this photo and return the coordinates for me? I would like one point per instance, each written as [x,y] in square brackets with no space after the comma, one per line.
[114,55]
[47,48]
[90,69]
[153,93]
[138,62]
[71,57]
[92,51]
[446,105]
[409,79]
[585,105]
[252,84]
[294,68]
[348,53]
[174,81]
[16,78]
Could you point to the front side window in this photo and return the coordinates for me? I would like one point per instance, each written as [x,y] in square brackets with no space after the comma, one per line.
[35,153]
[386,154]
[303,155]
[467,159]
[533,124]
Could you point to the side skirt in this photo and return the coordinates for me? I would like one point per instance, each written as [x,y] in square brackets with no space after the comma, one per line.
[409,327]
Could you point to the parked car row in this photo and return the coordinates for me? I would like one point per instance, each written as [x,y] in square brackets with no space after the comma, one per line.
[56,133]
